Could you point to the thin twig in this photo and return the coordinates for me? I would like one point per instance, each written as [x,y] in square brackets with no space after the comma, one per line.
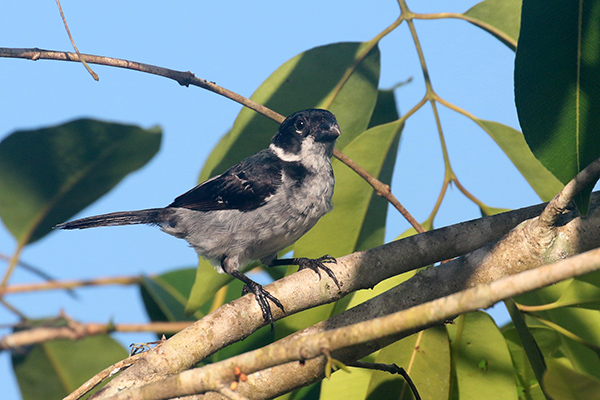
[510,42]
[70,284]
[103,375]
[35,270]
[62,15]
[188,78]
[74,330]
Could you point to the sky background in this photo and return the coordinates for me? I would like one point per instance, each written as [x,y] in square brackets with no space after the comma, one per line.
[237,45]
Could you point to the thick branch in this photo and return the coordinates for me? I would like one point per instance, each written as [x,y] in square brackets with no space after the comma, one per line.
[311,346]
[526,247]
[238,319]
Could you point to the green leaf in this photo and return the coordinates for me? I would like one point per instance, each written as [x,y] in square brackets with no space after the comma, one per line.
[308,80]
[372,233]
[584,324]
[475,341]
[54,369]
[557,85]
[48,175]
[501,18]
[165,296]
[547,340]
[564,383]
[514,146]
[425,356]
[583,292]
[534,354]
[346,386]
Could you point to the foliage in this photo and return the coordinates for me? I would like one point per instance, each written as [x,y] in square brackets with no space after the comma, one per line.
[550,349]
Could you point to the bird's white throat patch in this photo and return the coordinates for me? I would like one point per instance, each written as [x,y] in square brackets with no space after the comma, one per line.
[284,155]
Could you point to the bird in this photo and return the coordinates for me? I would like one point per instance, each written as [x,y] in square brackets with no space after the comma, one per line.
[256,208]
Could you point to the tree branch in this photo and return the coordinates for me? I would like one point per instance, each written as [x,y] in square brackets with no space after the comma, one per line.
[357,271]
[74,330]
[70,284]
[311,346]
[521,249]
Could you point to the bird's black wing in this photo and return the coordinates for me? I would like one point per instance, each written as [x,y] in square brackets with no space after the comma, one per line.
[245,186]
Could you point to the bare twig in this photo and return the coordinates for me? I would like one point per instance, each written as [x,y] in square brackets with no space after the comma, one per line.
[74,330]
[62,15]
[70,284]
[510,42]
[186,79]
[103,375]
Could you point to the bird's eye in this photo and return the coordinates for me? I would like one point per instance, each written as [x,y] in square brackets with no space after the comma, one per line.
[299,125]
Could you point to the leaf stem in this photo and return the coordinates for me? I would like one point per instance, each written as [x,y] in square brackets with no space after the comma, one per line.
[512,43]
[365,50]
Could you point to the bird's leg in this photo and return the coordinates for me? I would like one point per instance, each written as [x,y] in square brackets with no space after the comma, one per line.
[262,296]
[312,263]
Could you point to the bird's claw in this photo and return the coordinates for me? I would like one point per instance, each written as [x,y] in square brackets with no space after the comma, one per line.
[317,263]
[262,297]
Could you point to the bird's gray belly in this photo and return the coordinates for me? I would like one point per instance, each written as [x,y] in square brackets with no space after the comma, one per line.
[246,236]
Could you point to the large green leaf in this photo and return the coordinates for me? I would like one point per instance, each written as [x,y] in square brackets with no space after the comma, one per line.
[557,85]
[583,323]
[425,356]
[48,175]
[54,369]
[583,292]
[547,340]
[564,383]
[533,359]
[514,146]
[501,18]
[481,358]
[309,80]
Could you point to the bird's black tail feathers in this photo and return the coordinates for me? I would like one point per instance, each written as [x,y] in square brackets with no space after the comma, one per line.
[153,216]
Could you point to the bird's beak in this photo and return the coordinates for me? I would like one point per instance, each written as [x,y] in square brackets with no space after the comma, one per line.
[328,132]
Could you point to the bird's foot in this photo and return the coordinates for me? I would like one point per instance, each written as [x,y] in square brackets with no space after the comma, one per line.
[262,298]
[317,263]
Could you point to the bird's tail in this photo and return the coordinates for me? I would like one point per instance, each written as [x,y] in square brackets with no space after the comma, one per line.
[153,216]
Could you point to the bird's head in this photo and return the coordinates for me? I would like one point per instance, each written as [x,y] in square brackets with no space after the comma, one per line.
[306,133]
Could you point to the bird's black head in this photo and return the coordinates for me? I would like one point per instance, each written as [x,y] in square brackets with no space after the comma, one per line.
[313,126]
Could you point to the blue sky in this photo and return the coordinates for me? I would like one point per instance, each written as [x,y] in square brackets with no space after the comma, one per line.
[237,45]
